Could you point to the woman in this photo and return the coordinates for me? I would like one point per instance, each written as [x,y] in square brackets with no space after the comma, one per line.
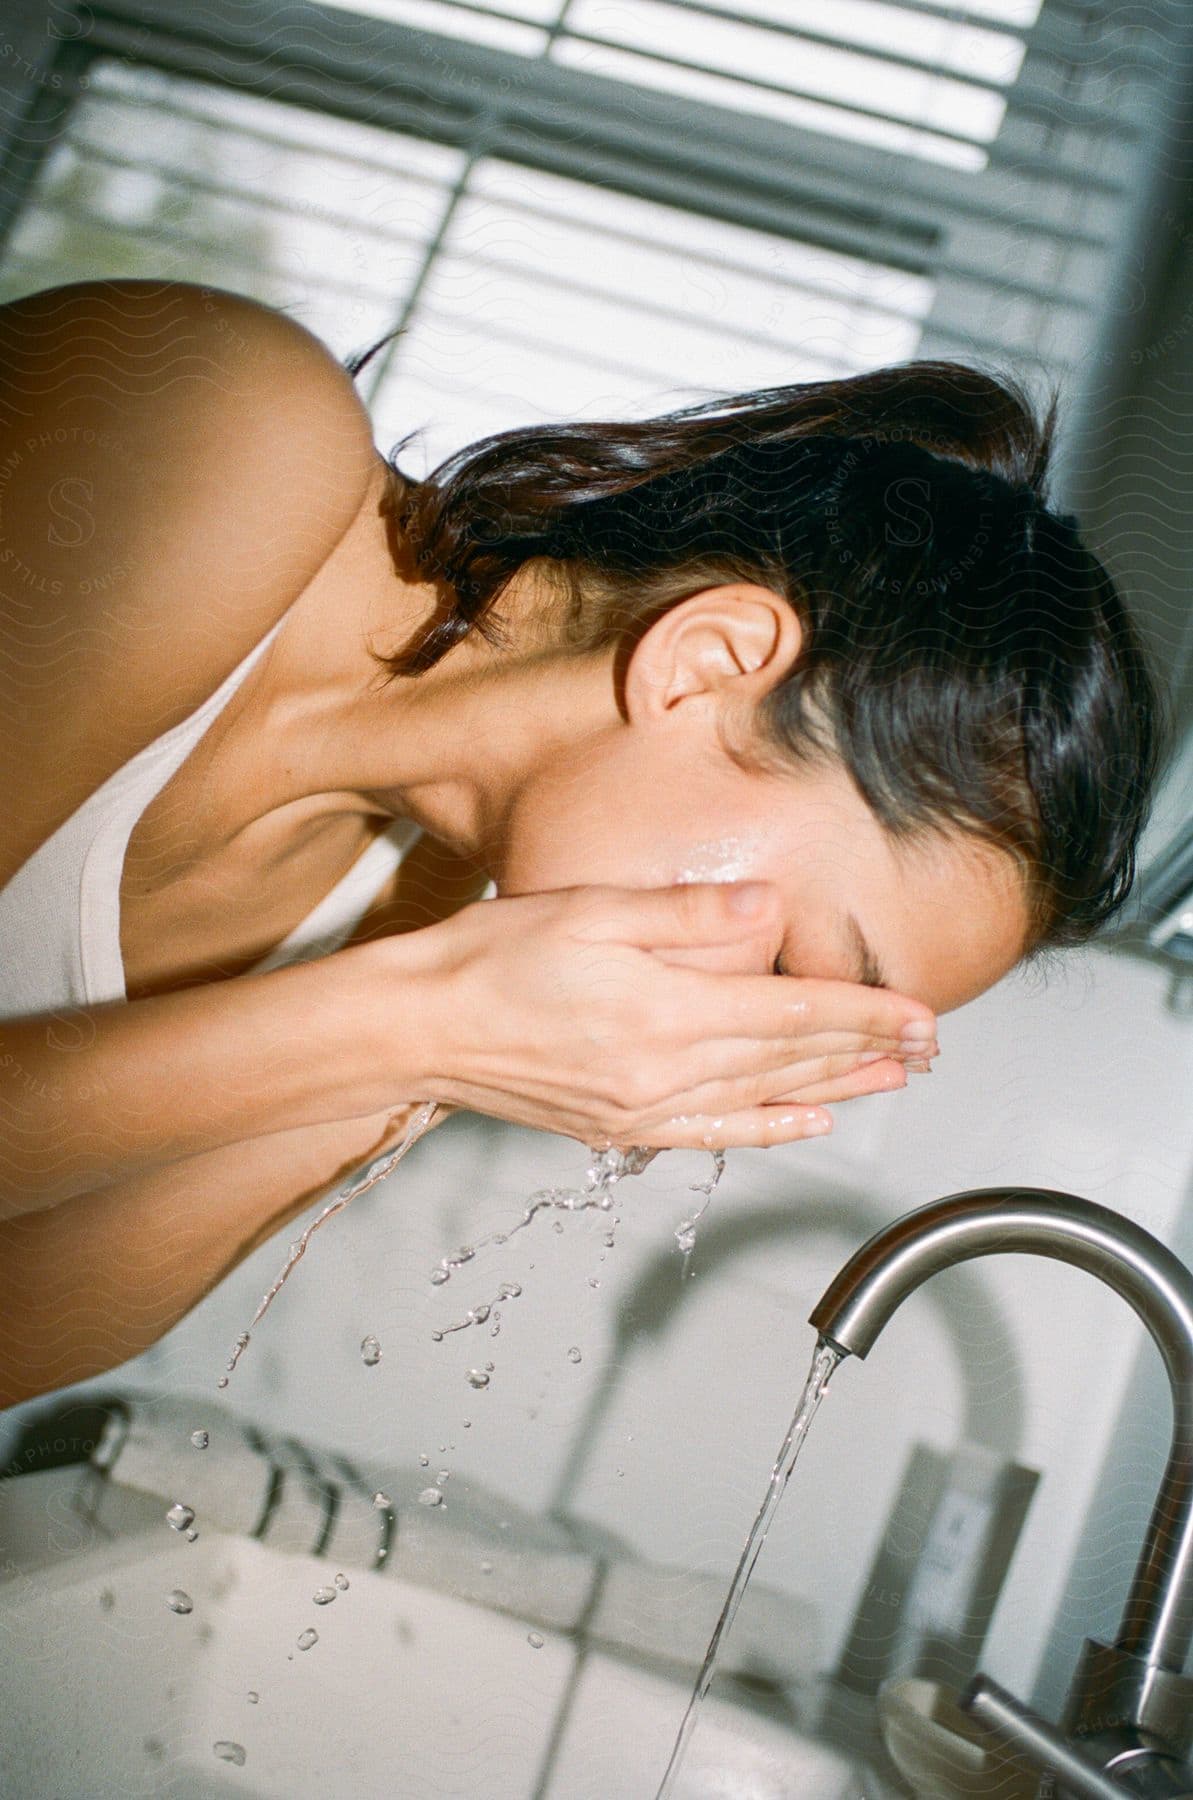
[827,637]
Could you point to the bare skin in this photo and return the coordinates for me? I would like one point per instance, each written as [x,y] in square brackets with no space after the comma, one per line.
[531,767]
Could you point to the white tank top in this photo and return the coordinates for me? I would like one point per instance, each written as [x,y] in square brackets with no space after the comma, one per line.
[60,912]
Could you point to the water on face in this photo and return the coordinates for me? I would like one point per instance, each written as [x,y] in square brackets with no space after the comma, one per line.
[824,1361]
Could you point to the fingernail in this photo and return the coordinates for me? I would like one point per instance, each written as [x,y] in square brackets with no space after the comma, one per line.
[917,1032]
[918,1068]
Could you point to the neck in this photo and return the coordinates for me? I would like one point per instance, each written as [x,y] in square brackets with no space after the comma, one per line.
[450,748]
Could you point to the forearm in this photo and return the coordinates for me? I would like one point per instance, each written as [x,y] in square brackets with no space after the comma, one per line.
[106,1093]
[91,1282]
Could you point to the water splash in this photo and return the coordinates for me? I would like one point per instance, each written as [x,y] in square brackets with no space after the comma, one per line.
[685,1232]
[606,1169]
[824,1361]
[374,1173]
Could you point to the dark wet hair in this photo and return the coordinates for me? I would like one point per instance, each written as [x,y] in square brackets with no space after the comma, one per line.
[966,657]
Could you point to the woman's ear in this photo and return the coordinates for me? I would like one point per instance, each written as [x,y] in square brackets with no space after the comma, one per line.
[736,633]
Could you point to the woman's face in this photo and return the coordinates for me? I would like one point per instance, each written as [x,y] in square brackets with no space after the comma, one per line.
[649,797]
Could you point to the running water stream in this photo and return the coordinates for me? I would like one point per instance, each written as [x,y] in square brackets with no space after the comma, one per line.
[824,1361]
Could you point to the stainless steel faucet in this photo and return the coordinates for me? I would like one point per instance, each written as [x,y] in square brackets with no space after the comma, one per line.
[1127,1727]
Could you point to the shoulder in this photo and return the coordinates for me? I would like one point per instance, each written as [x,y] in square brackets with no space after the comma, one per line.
[177,462]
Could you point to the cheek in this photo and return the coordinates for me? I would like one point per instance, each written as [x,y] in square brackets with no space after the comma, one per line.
[719,859]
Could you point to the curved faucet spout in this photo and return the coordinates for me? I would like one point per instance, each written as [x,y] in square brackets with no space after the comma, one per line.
[1157,1623]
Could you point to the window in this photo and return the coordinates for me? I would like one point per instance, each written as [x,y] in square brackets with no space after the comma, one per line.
[584,208]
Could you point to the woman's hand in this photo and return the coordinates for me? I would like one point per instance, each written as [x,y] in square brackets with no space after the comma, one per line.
[562,1011]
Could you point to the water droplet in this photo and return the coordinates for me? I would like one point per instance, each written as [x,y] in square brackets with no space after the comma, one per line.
[486,1568]
[535,1639]
[179,1602]
[557,1225]
[191,1535]
[423,1458]
[608,1240]
[510,1290]
[478,1315]
[594,1281]
[444,1475]
[621,1472]
[467,1424]
[574,1354]
[180,1516]
[222,1382]
[341,1582]
[200,1440]
[253,1697]
[477,1378]
[430,1497]
[233,1753]
[436,1337]
[323,1596]
[370,1351]
[490,1366]
[107,1600]
[307,1638]
[496,1331]
[685,1237]
[381,1500]
[439,1276]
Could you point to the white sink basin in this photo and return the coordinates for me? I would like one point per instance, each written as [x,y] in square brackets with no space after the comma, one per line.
[408,1694]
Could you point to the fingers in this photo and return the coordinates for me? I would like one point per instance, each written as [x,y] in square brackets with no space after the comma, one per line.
[691,912]
[885,1077]
[753,1129]
[839,1015]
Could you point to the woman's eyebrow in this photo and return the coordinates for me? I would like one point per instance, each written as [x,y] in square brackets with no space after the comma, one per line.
[870,974]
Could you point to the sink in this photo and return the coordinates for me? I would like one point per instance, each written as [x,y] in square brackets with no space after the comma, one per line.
[408,1693]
